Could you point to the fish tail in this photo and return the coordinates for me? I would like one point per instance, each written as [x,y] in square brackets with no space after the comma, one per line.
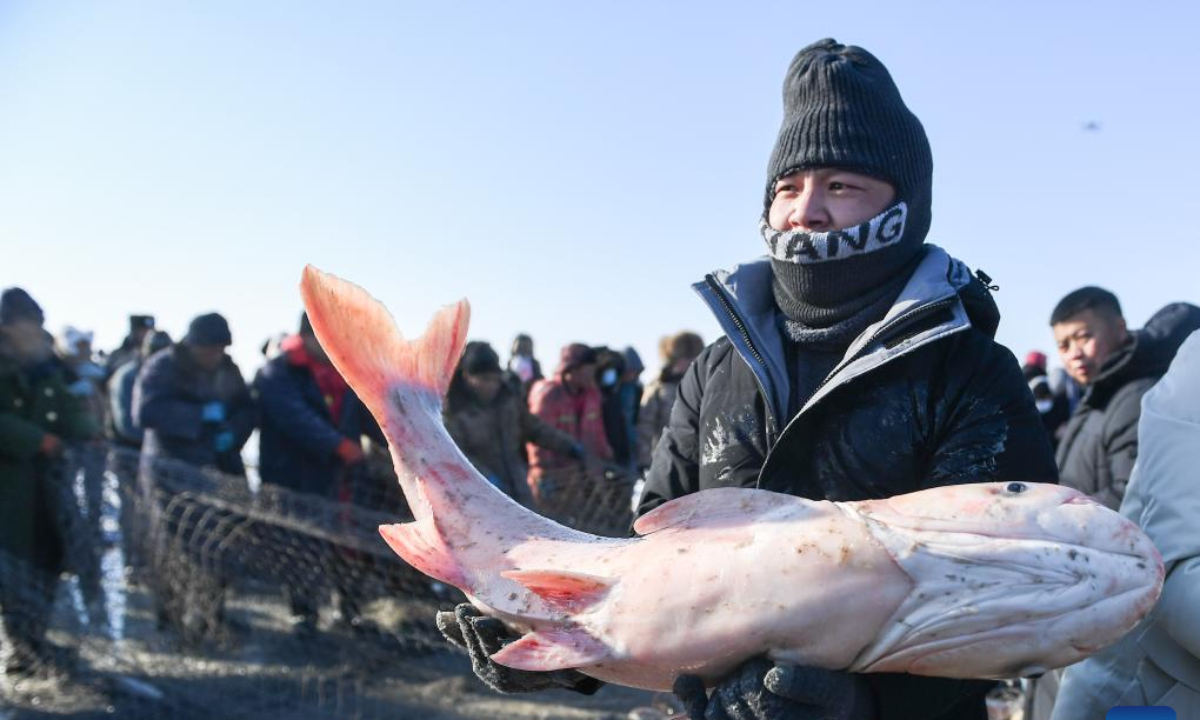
[362,340]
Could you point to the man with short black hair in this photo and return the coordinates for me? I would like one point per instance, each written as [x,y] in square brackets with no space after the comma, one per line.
[1116,368]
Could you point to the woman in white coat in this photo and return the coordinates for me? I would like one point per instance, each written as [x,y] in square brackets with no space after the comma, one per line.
[1158,663]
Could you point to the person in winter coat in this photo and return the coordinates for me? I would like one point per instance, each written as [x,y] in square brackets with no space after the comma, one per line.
[311,421]
[858,362]
[195,408]
[490,423]
[523,365]
[123,430]
[139,327]
[192,401]
[1116,367]
[310,439]
[676,353]
[38,418]
[571,403]
[1158,662]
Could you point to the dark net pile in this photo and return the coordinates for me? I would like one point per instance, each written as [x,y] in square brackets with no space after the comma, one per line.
[183,594]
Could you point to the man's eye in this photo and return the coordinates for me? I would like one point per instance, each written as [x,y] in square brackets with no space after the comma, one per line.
[837,186]
[785,189]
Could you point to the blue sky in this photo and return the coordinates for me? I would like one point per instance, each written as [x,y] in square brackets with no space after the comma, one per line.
[570,167]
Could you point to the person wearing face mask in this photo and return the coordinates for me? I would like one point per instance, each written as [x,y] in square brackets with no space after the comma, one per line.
[39,417]
[1053,408]
[571,403]
[490,423]
[858,362]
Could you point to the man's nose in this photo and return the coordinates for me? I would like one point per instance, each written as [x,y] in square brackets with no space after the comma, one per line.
[810,212]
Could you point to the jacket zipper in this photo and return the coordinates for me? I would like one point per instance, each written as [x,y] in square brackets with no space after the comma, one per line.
[902,319]
[758,358]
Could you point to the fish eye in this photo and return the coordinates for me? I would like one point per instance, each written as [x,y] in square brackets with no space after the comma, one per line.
[1015,488]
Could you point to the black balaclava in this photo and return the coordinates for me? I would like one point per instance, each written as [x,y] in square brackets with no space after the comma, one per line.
[842,110]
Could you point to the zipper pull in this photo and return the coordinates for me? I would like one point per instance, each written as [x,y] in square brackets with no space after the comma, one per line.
[986,280]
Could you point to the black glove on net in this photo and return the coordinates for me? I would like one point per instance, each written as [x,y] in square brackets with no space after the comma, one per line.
[481,636]
[760,690]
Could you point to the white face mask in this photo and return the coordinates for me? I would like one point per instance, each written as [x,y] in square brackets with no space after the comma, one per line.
[1044,406]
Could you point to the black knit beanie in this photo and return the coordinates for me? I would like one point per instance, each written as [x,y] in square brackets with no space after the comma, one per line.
[841,109]
[208,330]
[479,358]
[16,305]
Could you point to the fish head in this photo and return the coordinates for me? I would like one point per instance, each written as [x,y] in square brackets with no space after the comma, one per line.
[1017,577]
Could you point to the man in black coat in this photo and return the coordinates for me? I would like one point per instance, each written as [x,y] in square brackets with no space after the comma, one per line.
[192,401]
[195,408]
[1116,368]
[858,362]
[312,424]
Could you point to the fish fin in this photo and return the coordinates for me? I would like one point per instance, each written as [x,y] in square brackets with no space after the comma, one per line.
[546,650]
[362,340]
[714,505]
[563,590]
[420,544]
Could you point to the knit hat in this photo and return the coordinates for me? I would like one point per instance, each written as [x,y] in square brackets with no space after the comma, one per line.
[633,361]
[306,327]
[16,305]
[1035,358]
[208,330]
[842,110]
[479,358]
[154,341]
[574,356]
[140,322]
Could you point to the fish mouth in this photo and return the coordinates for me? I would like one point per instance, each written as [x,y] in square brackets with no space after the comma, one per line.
[1080,499]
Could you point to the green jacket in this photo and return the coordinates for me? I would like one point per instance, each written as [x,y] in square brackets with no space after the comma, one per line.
[32,403]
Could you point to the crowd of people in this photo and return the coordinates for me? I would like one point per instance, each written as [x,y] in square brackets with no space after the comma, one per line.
[539,439]
[858,361]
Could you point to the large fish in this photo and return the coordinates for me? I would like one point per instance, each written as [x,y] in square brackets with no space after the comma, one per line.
[973,581]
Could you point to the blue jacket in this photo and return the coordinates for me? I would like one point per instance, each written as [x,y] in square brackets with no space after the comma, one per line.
[299,438]
[168,397]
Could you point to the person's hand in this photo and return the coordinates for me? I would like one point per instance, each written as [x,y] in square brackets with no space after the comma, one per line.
[223,441]
[349,452]
[483,636]
[760,690]
[50,444]
[212,412]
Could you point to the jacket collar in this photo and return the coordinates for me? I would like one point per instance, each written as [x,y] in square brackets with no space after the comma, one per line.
[743,304]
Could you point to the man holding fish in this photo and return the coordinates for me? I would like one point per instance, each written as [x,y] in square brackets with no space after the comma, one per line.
[858,363]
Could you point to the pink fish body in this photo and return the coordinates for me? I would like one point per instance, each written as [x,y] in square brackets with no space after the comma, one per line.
[975,581]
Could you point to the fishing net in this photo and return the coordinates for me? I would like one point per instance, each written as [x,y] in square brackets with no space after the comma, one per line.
[190,594]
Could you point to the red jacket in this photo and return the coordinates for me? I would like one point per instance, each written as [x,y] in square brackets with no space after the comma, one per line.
[579,416]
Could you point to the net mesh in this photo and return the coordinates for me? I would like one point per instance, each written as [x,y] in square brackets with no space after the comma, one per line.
[187,593]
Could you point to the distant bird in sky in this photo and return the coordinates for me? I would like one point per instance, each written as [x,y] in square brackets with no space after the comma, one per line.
[1091,126]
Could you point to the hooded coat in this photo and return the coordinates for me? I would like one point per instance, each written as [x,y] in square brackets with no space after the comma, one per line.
[1158,662]
[922,398]
[1100,442]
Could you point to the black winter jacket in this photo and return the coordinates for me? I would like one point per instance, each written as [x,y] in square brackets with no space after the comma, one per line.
[299,437]
[923,398]
[1099,445]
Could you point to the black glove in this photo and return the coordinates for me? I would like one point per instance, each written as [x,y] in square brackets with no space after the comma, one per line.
[760,690]
[481,636]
